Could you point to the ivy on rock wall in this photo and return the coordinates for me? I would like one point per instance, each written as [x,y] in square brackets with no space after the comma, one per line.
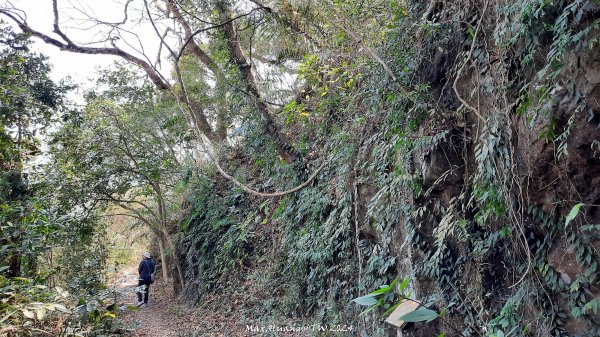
[462,149]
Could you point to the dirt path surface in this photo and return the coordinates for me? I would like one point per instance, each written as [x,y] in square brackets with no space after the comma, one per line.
[166,316]
[162,317]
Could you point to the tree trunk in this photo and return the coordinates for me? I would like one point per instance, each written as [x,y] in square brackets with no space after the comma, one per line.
[163,258]
[15,266]
[249,82]
[175,257]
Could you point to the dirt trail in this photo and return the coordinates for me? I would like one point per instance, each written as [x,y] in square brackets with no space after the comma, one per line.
[162,317]
[166,316]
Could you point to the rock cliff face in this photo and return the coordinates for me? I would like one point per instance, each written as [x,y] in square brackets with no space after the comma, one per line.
[483,190]
[525,151]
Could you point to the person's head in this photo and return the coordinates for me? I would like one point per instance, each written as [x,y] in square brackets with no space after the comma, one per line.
[146,255]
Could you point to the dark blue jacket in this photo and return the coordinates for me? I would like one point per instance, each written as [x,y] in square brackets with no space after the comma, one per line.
[145,269]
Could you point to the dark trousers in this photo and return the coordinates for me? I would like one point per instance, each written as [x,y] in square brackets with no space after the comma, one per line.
[145,289]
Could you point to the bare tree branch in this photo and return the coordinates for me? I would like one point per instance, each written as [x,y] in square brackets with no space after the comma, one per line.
[136,202]
[56,27]
[233,44]
[200,118]
[68,45]
[227,176]
[201,125]
[190,43]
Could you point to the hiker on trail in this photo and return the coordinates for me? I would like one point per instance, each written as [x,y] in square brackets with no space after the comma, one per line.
[146,271]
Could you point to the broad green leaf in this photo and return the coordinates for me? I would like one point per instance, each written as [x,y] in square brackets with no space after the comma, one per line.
[373,307]
[419,315]
[22,279]
[394,281]
[572,214]
[365,300]
[384,289]
[404,284]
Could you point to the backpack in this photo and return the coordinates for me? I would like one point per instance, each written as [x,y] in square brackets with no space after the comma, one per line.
[147,265]
[152,275]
